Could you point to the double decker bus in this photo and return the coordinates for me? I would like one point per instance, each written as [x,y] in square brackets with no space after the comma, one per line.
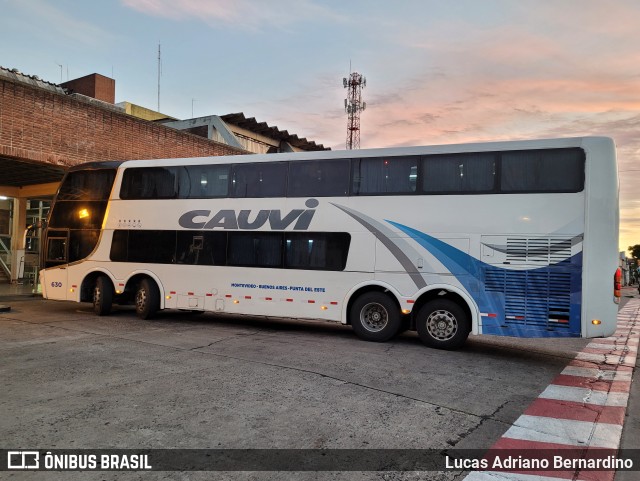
[506,238]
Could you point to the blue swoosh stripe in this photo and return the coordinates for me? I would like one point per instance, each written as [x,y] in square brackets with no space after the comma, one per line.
[525,287]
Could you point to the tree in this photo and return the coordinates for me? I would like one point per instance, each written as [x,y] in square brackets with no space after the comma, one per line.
[635,251]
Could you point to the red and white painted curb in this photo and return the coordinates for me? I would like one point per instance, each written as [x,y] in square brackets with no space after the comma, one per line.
[582,409]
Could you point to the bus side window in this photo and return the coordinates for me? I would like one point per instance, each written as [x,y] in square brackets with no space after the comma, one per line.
[324,178]
[317,251]
[82,243]
[459,173]
[384,175]
[153,246]
[204,181]
[149,183]
[259,180]
[120,246]
[255,249]
[559,170]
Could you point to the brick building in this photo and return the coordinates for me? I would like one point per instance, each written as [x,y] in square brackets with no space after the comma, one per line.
[46,128]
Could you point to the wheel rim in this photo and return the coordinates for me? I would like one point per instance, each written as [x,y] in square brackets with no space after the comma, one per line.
[374,317]
[442,325]
[96,296]
[141,299]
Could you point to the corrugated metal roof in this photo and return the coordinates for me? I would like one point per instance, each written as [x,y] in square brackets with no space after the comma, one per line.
[271,131]
[17,173]
[33,80]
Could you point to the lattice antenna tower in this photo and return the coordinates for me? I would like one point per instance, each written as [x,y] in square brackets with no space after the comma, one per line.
[353,105]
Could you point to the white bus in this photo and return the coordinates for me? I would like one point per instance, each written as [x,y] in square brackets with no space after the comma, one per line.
[509,238]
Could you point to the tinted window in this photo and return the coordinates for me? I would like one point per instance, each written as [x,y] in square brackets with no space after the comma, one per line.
[256,249]
[322,178]
[319,251]
[149,183]
[259,180]
[87,185]
[57,247]
[201,248]
[82,243]
[153,246]
[384,175]
[558,170]
[203,181]
[119,246]
[325,251]
[78,214]
[459,173]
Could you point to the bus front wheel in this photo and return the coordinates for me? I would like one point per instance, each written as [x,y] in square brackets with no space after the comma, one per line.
[102,296]
[443,324]
[147,299]
[375,317]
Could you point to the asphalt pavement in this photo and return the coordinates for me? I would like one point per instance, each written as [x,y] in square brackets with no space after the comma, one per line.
[76,381]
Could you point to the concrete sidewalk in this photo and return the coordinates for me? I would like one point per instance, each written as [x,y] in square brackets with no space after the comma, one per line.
[10,292]
[631,429]
[584,408]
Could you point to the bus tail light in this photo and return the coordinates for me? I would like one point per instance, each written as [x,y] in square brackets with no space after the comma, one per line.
[617,285]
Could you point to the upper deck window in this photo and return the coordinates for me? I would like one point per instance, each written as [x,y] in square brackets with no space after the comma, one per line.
[150,183]
[260,179]
[550,170]
[319,178]
[203,181]
[497,172]
[384,175]
[459,173]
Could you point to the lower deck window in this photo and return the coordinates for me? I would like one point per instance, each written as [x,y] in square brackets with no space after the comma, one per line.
[289,250]
[323,251]
[255,249]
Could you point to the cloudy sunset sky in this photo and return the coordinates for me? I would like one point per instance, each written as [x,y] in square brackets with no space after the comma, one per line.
[437,71]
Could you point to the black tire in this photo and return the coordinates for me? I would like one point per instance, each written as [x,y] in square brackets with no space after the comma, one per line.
[443,324]
[375,317]
[147,300]
[102,296]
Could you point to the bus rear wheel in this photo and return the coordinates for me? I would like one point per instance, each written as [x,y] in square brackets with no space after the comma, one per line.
[443,324]
[147,299]
[375,317]
[102,296]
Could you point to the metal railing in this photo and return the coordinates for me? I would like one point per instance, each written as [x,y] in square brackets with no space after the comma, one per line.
[5,259]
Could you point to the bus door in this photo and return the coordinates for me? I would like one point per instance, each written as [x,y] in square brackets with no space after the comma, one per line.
[56,259]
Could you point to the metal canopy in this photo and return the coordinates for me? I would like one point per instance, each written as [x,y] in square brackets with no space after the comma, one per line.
[18,173]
